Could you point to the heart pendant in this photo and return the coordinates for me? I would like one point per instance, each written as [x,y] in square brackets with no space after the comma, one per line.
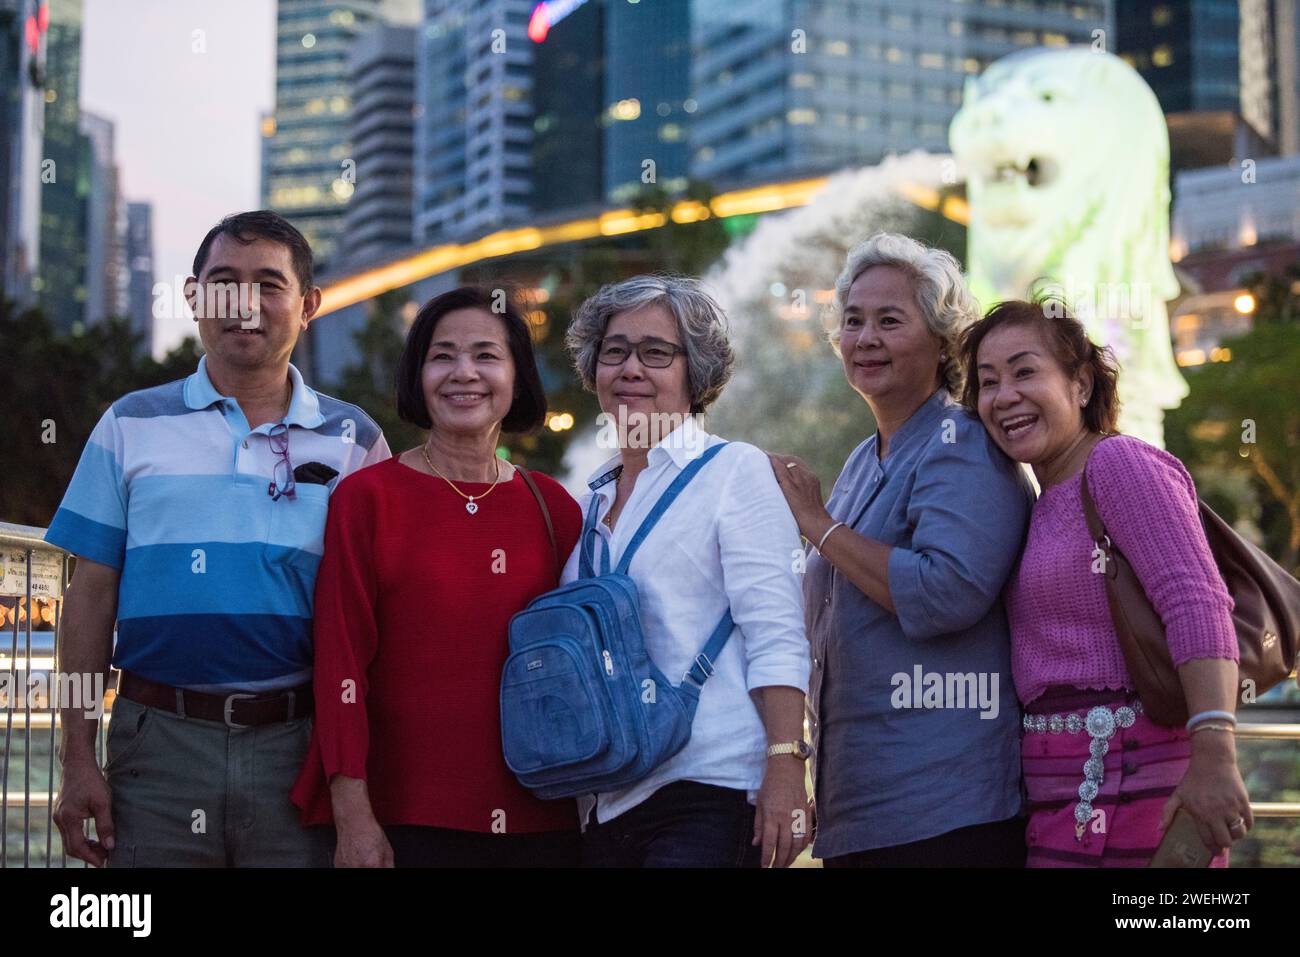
[471,506]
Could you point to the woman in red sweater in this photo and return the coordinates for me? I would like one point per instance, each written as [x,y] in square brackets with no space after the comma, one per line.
[427,556]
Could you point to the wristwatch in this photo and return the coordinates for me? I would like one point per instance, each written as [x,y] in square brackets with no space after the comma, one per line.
[799,749]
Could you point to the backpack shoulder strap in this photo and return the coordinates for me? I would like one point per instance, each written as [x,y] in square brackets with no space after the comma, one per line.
[669,496]
[701,669]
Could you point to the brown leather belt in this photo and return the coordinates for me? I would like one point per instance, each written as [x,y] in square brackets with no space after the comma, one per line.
[238,710]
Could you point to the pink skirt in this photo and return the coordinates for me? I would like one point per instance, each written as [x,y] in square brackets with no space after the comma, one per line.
[1143,766]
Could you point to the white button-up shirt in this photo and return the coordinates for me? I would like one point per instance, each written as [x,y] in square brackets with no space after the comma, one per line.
[728,539]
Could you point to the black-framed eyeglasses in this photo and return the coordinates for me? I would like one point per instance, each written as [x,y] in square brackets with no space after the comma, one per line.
[652,352]
[279,437]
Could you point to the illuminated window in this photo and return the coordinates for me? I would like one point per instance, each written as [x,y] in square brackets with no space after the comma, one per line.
[1161,16]
[1162,55]
[931,61]
[801,117]
[309,40]
[628,109]
[802,81]
[837,48]
[671,133]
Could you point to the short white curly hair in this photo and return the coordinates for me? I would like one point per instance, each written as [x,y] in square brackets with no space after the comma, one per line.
[944,301]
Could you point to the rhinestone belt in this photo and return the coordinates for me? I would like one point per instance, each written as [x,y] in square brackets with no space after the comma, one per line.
[1100,723]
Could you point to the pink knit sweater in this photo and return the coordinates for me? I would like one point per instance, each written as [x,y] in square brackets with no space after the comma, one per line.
[1061,631]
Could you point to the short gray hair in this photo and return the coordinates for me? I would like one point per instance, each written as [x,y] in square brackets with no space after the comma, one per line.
[944,301]
[701,324]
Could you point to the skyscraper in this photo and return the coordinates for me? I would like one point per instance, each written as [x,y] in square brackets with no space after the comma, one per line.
[106,277]
[569,122]
[647,96]
[140,271]
[62,280]
[23,25]
[378,217]
[307,160]
[474,118]
[1214,66]
[804,86]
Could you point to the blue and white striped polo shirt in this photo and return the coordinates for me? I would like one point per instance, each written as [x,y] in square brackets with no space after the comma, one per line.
[217,576]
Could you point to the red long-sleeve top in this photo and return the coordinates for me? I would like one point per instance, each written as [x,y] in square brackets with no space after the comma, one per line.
[413,600]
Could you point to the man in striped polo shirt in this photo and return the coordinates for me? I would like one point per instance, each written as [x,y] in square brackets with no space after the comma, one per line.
[197,513]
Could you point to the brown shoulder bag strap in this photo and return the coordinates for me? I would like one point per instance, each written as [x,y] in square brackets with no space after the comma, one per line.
[546,514]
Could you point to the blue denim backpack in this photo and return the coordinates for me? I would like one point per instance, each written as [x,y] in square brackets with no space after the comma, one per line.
[583,708]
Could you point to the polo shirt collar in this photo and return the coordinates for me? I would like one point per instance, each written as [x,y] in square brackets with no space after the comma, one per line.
[304,405]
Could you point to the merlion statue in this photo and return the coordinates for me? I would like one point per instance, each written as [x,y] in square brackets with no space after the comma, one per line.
[1066,156]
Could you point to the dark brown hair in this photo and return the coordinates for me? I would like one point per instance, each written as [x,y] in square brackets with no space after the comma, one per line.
[261,224]
[1069,344]
[527,411]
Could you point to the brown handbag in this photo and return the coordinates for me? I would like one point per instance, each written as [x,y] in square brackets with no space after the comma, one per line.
[1266,614]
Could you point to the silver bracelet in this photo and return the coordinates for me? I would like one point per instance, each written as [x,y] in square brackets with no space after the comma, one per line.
[1206,715]
[1212,726]
[827,535]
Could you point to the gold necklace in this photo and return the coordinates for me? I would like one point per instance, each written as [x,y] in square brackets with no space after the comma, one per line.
[608,520]
[471,506]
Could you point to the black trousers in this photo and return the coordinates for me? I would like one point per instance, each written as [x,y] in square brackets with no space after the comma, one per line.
[418,846]
[683,824]
[999,844]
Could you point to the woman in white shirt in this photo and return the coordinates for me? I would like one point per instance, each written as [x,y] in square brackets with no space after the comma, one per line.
[654,349]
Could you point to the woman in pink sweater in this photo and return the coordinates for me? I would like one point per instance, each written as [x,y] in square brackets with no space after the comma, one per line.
[1103,780]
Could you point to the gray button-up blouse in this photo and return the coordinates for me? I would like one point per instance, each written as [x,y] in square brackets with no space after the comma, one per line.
[915,722]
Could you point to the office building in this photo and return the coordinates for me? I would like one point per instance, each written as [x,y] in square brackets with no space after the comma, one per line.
[647,97]
[1223,70]
[378,216]
[61,283]
[809,86]
[474,118]
[140,272]
[569,104]
[23,25]
[106,276]
[307,158]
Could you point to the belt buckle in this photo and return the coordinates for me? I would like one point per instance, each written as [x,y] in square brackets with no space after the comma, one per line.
[229,706]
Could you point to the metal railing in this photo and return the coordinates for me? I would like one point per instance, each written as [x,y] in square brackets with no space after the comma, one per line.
[33,577]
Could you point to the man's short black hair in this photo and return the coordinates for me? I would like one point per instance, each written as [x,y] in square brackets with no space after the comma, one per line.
[527,411]
[261,224]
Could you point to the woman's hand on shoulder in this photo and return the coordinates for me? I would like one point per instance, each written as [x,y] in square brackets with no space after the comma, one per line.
[803,493]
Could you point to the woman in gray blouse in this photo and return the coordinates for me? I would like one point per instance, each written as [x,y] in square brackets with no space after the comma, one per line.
[916,729]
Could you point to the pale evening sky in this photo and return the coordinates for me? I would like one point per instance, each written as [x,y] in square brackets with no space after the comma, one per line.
[187,136]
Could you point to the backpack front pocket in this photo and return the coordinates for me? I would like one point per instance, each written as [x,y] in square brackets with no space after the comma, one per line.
[554,710]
